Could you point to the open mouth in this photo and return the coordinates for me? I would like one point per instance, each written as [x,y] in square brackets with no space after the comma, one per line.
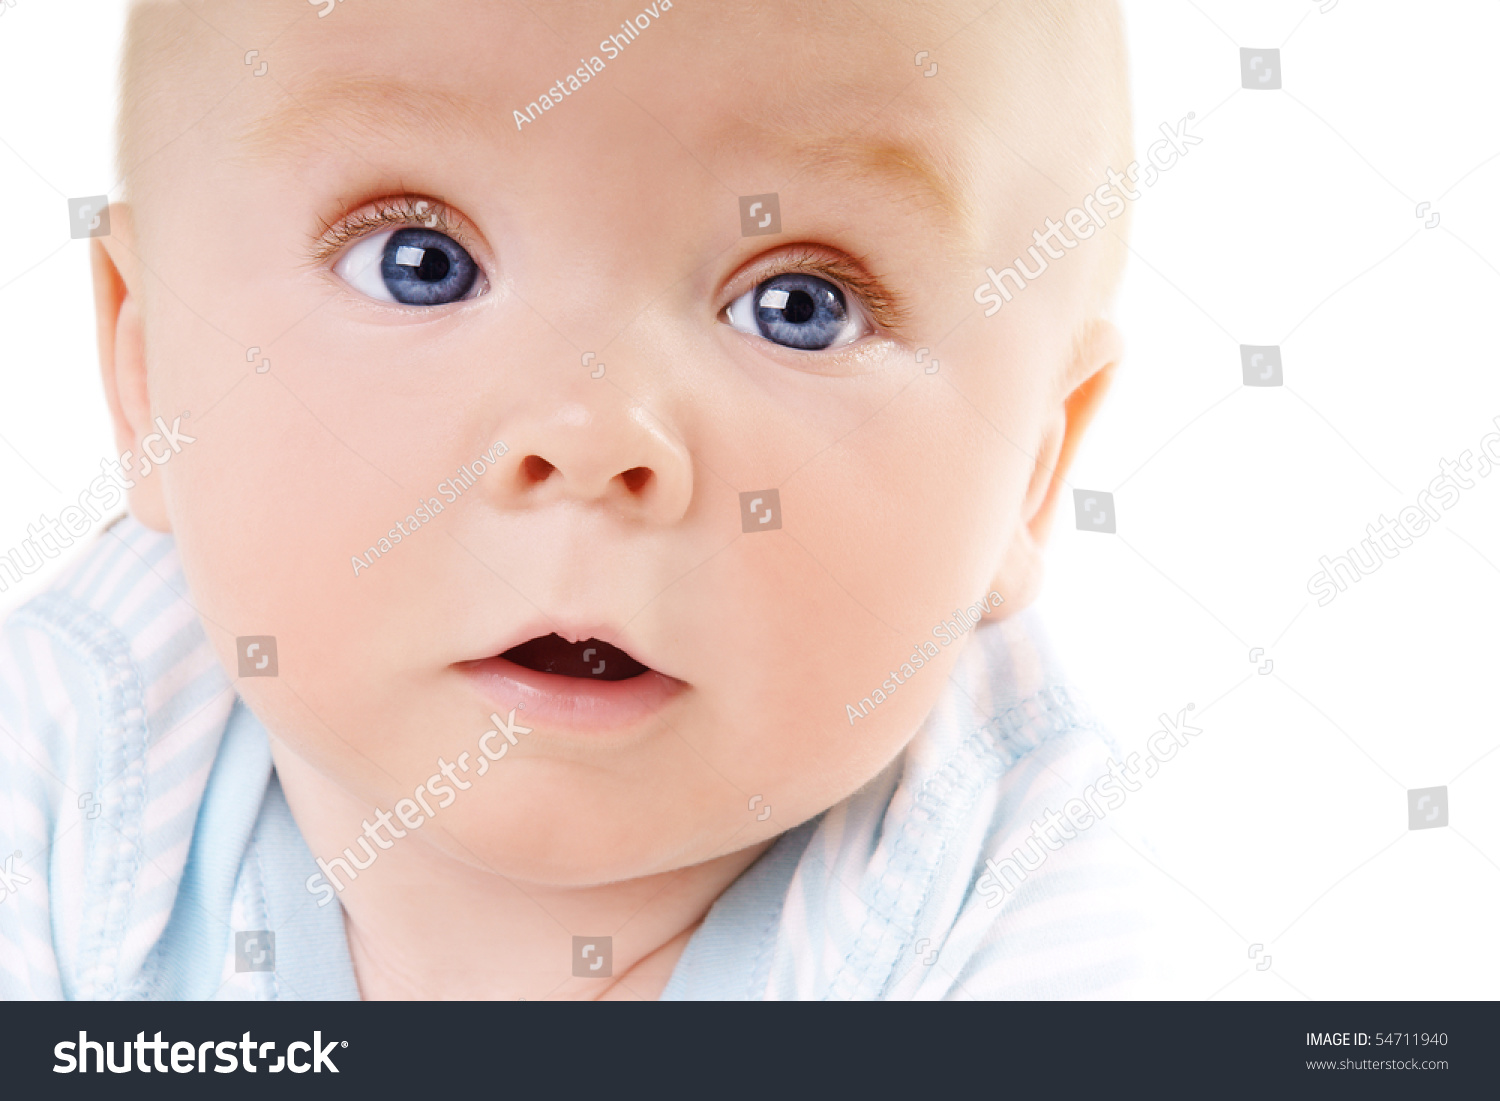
[588,659]
[586,686]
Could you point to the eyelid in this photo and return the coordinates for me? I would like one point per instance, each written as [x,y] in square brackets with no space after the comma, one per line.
[392,212]
[886,310]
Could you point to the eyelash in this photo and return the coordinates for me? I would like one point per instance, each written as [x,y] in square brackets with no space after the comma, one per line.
[396,213]
[885,309]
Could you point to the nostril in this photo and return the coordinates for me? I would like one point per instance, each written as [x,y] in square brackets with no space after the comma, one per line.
[635,478]
[535,469]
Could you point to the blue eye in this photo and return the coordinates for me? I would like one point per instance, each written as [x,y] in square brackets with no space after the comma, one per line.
[414,266]
[799,311]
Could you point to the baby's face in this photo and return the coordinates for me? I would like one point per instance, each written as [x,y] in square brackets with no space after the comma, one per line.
[428,279]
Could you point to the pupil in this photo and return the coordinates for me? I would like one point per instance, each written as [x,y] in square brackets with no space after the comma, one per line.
[434,265]
[799,307]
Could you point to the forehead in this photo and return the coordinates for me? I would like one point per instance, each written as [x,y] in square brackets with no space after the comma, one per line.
[829,87]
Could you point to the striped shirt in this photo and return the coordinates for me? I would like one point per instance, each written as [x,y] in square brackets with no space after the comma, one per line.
[144,835]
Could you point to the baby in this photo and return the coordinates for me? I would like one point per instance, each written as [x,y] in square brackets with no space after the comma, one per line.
[602,499]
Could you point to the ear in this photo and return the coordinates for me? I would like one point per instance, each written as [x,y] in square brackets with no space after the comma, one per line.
[122,357]
[1096,353]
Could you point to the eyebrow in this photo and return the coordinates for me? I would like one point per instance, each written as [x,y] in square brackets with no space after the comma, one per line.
[901,165]
[358,108]
[932,177]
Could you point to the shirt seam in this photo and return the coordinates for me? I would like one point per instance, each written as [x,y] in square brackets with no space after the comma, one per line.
[991,749]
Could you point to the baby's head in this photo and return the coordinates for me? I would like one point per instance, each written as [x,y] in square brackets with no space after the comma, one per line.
[708,271]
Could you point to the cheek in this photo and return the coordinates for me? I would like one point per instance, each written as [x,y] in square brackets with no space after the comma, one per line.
[293,472]
[299,467]
[883,536]
[269,510]
[910,513]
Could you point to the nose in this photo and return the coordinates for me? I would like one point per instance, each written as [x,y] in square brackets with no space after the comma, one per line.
[624,459]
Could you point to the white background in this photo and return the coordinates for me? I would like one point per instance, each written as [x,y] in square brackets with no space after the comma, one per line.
[1293,223]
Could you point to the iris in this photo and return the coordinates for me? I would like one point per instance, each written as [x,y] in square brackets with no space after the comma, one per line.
[421,267]
[800,311]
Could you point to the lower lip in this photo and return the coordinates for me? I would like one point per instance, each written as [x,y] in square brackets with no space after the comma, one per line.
[571,703]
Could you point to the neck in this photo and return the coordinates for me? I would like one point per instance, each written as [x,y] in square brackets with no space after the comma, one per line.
[480,936]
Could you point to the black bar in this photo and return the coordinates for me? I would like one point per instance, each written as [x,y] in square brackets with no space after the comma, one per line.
[988,1050]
